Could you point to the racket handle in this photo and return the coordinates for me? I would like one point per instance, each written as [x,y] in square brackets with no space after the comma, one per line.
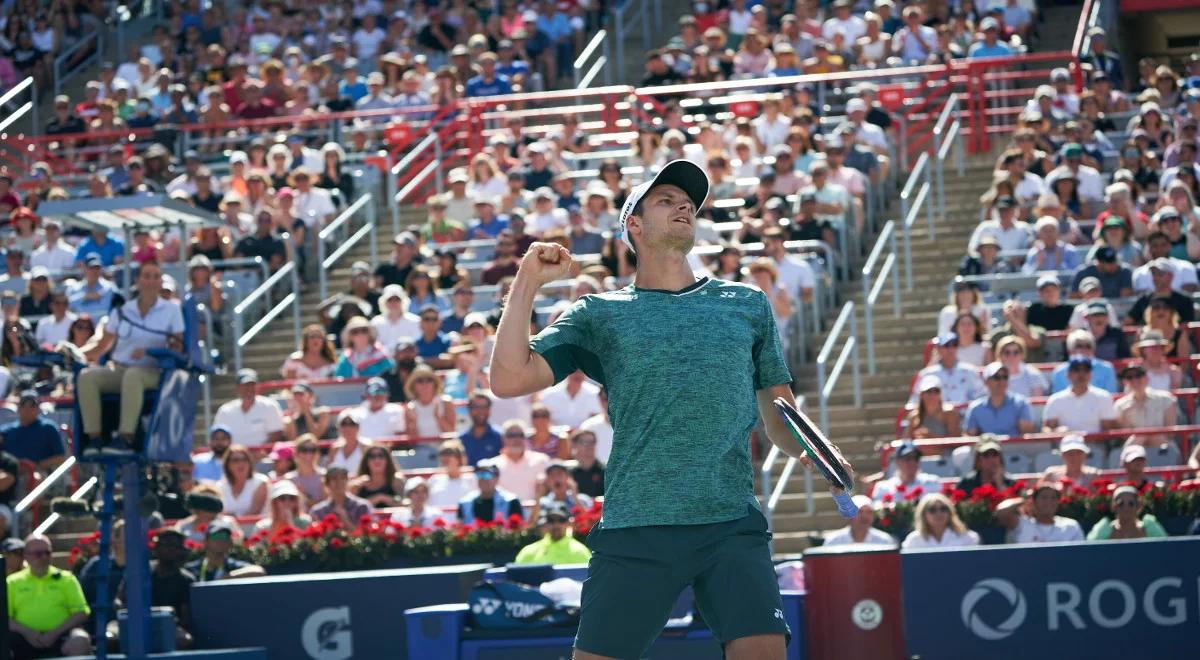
[846,505]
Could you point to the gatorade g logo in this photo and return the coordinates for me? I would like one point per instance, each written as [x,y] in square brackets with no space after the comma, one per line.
[986,630]
[325,634]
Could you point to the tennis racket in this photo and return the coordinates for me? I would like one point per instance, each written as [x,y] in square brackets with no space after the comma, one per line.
[819,450]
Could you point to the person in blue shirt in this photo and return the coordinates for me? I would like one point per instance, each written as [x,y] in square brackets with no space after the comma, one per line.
[433,343]
[1000,412]
[208,465]
[32,437]
[1082,342]
[352,86]
[488,82]
[110,250]
[555,24]
[486,224]
[93,294]
[481,441]
[991,46]
[507,63]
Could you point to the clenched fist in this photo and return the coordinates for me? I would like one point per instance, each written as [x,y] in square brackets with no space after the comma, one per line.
[547,262]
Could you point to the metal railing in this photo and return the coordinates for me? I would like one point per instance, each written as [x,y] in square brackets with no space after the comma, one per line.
[30,107]
[947,134]
[872,286]
[243,337]
[772,494]
[400,167]
[913,197]
[826,383]
[627,15]
[63,469]
[600,47]
[61,74]
[80,493]
[337,230]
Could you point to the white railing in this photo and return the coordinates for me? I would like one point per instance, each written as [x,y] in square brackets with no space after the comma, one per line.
[400,167]
[243,337]
[772,494]
[600,47]
[947,135]
[335,231]
[914,198]
[847,321]
[78,495]
[30,107]
[872,286]
[34,495]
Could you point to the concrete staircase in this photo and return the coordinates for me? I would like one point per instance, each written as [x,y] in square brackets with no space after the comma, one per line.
[898,348]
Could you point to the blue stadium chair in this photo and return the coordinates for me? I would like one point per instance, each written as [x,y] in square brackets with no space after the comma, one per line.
[939,465]
[414,458]
[1017,463]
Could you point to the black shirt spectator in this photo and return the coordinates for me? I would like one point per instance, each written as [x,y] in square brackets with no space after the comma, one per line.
[1050,318]
[11,466]
[210,202]
[1179,302]
[484,508]
[65,124]
[1112,345]
[590,480]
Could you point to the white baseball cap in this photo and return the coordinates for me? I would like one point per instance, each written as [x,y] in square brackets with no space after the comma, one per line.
[1073,442]
[682,173]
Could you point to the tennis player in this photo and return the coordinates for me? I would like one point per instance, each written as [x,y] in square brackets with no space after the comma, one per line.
[685,361]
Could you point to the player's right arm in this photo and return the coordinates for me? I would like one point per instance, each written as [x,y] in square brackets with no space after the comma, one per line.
[517,370]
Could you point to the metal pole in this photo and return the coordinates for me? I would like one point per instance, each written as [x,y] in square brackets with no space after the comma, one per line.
[867,318]
[237,341]
[374,235]
[437,157]
[322,277]
[928,205]
[854,355]
[137,562]
[895,277]
[296,305]
[903,150]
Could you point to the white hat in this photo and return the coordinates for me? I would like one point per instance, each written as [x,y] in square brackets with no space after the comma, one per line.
[1132,453]
[392,291]
[682,173]
[929,382]
[1073,442]
[856,105]
[862,501]
[282,488]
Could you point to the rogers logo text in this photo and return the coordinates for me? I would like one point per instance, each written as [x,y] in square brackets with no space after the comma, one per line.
[1003,588]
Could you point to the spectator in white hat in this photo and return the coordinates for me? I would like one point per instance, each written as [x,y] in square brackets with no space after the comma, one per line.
[990,45]
[1152,347]
[960,383]
[1090,291]
[347,450]
[1073,450]
[931,417]
[1162,274]
[1039,522]
[396,321]
[285,508]
[1012,233]
[864,132]
[1127,521]
[861,528]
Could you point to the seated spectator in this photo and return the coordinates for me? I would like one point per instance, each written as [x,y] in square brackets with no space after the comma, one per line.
[588,471]
[490,502]
[417,511]
[1163,320]
[378,480]
[558,546]
[1111,343]
[283,460]
[561,489]
[481,440]
[14,555]
[110,250]
[204,506]
[1158,246]
[315,359]
[1039,522]
[971,349]
[908,477]
[987,467]
[1048,252]
[1012,233]
[520,468]
[1162,272]
[54,254]
[362,354]
[56,327]
[1116,280]
[861,528]
[987,261]
[404,355]
[1127,521]
[966,299]
[347,450]
[1089,290]
[931,417]
[1152,349]
[1049,311]
[439,228]
[308,476]
[1115,235]
[305,416]
[396,320]
[263,243]
[32,437]
[1080,343]
[243,491]
[960,382]
[1073,451]
[404,259]
[505,262]
[1142,406]
[572,401]
[1185,245]
[377,417]
[432,344]
[285,509]
[36,301]
[252,419]
[93,295]
[1023,378]
[1000,413]
[601,425]
[990,45]
[544,438]
[46,607]
[217,564]
[89,575]
[347,508]
[1083,407]
[450,484]
[207,466]
[170,584]
[430,410]
[937,525]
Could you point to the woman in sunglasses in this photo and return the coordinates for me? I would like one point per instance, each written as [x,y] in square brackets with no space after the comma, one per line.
[379,482]
[1127,521]
[938,525]
[361,353]
[430,411]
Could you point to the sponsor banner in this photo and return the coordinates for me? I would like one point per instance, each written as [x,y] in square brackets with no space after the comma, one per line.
[1114,599]
[324,616]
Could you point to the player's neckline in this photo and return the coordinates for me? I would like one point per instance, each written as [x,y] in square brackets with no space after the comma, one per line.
[694,286]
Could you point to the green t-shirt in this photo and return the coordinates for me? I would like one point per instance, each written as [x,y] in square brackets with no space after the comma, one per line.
[44,603]
[547,551]
[681,369]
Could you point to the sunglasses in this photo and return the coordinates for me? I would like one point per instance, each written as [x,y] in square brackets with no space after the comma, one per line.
[938,509]
[520,436]
[423,380]
[1125,502]
[307,450]
[429,319]
[1133,376]
[359,331]
[541,414]
[376,455]
[1011,351]
[999,377]
[585,442]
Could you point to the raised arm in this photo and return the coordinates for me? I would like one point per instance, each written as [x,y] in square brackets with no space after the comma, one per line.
[516,370]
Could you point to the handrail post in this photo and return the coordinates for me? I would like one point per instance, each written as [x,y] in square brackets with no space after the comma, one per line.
[868,314]
[372,213]
[296,306]
[857,375]
[322,276]
[237,344]
[895,279]
[391,196]
[928,206]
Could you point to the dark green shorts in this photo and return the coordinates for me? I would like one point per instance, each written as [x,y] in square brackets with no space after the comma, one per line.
[636,574]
